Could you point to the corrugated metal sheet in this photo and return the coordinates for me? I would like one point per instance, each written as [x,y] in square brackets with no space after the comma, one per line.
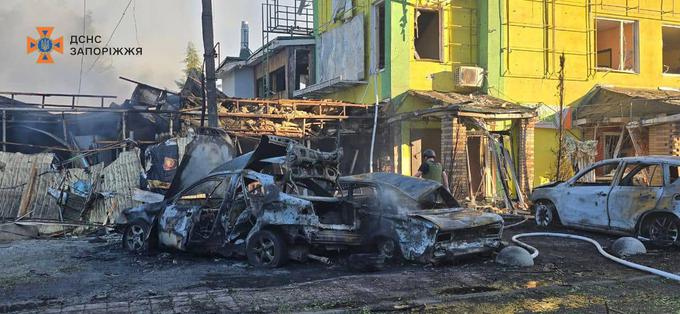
[14,180]
[120,177]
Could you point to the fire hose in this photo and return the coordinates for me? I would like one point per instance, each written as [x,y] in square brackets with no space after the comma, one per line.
[534,252]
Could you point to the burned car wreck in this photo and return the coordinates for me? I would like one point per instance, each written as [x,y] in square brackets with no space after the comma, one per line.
[284,201]
[637,196]
[418,219]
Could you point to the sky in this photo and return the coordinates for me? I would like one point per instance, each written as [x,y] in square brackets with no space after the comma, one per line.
[163,29]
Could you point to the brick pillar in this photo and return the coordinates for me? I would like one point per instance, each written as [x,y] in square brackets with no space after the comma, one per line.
[525,158]
[674,139]
[454,141]
[664,139]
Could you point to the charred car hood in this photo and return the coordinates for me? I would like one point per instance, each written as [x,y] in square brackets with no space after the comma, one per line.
[456,219]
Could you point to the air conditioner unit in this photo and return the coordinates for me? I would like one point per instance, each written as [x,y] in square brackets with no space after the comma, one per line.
[466,76]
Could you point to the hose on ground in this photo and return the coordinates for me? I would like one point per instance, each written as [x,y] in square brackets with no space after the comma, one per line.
[534,252]
[524,219]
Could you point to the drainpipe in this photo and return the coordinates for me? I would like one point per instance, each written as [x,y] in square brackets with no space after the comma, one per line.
[375,119]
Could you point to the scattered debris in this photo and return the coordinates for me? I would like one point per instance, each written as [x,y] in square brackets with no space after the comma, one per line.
[12,231]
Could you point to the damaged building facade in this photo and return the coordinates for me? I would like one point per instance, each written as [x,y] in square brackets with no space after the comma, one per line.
[620,78]
[421,61]
[620,74]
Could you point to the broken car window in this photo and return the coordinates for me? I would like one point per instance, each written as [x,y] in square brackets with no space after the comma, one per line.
[439,199]
[642,175]
[673,173]
[208,194]
[601,175]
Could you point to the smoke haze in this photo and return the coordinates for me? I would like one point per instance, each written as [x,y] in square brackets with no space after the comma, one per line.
[163,29]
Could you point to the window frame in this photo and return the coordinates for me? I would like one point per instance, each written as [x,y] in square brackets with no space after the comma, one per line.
[662,50]
[574,180]
[621,56]
[440,15]
[645,165]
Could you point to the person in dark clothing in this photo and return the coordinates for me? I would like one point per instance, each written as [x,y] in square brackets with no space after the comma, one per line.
[432,170]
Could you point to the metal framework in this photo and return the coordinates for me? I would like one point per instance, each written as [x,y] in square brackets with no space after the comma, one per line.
[44,96]
[285,17]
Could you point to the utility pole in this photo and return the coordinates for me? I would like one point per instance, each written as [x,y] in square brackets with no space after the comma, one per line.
[561,117]
[209,59]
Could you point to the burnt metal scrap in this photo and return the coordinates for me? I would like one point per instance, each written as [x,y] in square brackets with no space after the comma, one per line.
[285,201]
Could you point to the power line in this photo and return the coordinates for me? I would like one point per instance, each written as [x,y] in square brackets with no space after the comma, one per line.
[82,57]
[134,18]
[112,33]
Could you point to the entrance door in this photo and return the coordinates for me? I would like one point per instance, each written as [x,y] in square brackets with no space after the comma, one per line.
[421,140]
[476,164]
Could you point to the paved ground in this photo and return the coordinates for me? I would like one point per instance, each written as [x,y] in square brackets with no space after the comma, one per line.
[79,276]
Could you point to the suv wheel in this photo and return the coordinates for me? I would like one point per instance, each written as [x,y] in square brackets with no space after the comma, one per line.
[663,230]
[266,249]
[545,214]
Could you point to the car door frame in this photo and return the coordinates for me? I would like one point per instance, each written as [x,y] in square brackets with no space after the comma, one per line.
[179,237]
[627,221]
[571,214]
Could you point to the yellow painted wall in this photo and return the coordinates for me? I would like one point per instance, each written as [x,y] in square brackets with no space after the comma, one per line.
[533,33]
[460,44]
[530,56]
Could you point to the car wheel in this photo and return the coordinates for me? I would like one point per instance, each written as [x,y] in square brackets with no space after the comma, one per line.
[387,248]
[663,230]
[266,249]
[545,214]
[136,237]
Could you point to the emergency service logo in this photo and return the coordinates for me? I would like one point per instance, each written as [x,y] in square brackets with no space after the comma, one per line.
[44,44]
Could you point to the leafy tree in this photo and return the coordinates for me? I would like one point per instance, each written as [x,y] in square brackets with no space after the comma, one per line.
[192,62]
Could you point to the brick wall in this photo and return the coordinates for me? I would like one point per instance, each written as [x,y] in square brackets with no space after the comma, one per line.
[660,139]
[454,141]
[674,141]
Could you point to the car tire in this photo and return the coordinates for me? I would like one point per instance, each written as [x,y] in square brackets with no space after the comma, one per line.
[136,237]
[661,230]
[545,214]
[388,248]
[266,249]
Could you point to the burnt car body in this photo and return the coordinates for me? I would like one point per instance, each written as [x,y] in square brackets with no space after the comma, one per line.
[271,204]
[637,196]
[284,201]
[418,219]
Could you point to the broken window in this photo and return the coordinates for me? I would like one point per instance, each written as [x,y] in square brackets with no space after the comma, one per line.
[671,49]
[277,80]
[427,35]
[380,17]
[302,57]
[208,194]
[602,175]
[617,44]
[260,88]
[642,175]
[673,173]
